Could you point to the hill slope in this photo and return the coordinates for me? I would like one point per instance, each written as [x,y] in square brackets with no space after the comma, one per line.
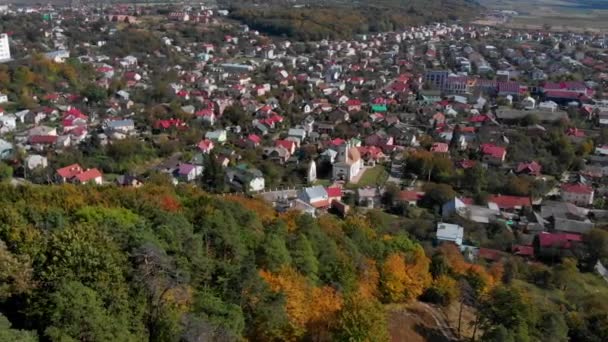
[313,20]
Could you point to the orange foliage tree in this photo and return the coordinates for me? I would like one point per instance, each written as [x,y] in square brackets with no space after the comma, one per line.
[305,304]
[405,277]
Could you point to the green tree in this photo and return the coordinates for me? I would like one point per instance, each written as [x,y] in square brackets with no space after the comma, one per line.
[76,313]
[15,335]
[304,258]
[597,244]
[362,320]
[274,252]
[6,172]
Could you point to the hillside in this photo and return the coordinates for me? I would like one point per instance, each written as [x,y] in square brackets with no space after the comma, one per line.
[313,20]
[164,264]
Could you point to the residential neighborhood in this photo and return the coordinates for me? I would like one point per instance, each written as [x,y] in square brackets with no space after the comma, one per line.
[489,140]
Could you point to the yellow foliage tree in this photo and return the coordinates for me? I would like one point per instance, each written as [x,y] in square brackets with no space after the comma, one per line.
[405,278]
[305,304]
[368,279]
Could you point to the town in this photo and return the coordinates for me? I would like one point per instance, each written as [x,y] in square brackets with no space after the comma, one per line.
[491,139]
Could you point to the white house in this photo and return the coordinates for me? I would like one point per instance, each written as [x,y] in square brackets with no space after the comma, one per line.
[219,136]
[528,103]
[3,98]
[5,50]
[8,123]
[579,194]
[33,161]
[549,106]
[450,232]
[315,195]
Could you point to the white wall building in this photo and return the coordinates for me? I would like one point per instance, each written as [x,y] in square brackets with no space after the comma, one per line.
[5,50]
[450,232]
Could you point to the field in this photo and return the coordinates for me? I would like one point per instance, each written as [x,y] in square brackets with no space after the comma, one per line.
[558,15]
[375,176]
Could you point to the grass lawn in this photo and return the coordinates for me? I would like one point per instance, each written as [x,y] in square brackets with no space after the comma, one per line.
[323,182]
[375,176]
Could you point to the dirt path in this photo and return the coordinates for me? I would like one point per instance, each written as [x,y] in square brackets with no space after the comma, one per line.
[419,322]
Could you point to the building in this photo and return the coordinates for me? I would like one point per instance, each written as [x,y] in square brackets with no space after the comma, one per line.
[450,232]
[436,78]
[579,194]
[5,50]
[348,163]
[316,196]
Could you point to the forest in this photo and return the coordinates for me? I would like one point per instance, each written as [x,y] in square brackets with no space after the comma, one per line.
[319,21]
[164,263]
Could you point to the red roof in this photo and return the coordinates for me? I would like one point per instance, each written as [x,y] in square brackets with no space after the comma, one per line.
[490,254]
[254,138]
[353,102]
[479,118]
[88,175]
[559,240]
[523,250]
[510,202]
[334,191]
[409,196]
[466,163]
[205,112]
[289,145]
[493,150]
[440,147]
[43,139]
[69,171]
[320,204]
[533,168]
[575,132]
[170,123]
[577,188]
[205,145]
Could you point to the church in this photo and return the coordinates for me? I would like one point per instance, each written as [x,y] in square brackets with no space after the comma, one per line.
[348,163]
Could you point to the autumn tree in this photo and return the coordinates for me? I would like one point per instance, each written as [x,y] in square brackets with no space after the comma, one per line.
[362,319]
[405,277]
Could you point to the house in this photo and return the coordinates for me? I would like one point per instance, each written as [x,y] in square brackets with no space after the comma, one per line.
[508,203]
[206,115]
[579,194]
[119,127]
[8,123]
[409,197]
[189,172]
[6,149]
[66,173]
[92,176]
[128,181]
[218,136]
[297,133]
[334,193]
[3,98]
[205,146]
[241,178]
[43,142]
[493,154]
[316,196]
[353,105]
[528,103]
[289,145]
[532,168]
[450,233]
[278,154]
[348,163]
[555,244]
[440,147]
